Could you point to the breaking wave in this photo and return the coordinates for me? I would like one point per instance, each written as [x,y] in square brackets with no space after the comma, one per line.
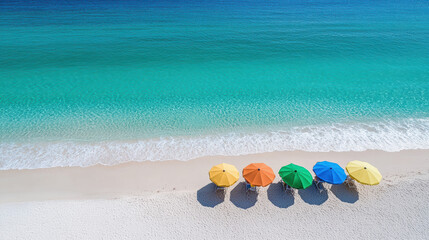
[339,137]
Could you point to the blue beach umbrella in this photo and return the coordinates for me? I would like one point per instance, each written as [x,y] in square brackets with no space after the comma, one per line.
[329,172]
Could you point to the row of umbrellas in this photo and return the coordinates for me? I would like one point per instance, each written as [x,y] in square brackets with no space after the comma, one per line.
[259,174]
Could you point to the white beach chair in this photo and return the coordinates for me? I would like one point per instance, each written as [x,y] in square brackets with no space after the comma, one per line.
[319,185]
[350,183]
[287,188]
[220,189]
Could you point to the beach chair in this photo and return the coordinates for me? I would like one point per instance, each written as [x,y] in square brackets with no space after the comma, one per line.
[350,183]
[287,188]
[319,184]
[250,188]
[220,189]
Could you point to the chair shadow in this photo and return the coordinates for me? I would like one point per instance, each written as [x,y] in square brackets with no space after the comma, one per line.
[311,195]
[208,197]
[344,193]
[241,199]
[279,197]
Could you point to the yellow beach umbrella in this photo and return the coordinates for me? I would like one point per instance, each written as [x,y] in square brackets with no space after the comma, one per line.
[363,172]
[224,175]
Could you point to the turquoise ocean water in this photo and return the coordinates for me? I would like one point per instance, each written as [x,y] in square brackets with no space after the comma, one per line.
[86,82]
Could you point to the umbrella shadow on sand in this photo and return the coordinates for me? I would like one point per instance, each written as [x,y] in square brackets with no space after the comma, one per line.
[345,194]
[241,199]
[311,195]
[209,197]
[279,197]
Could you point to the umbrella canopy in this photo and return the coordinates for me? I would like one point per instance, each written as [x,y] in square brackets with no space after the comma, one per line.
[296,176]
[329,172]
[224,175]
[258,174]
[363,172]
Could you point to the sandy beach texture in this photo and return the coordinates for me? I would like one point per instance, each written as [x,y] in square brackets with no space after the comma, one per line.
[175,200]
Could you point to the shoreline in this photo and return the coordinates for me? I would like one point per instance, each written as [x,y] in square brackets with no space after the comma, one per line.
[386,135]
[137,178]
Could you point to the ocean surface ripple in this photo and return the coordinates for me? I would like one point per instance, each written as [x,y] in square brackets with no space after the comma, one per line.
[106,82]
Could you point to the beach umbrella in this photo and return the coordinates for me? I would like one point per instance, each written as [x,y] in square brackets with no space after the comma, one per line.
[224,175]
[258,174]
[296,176]
[329,172]
[363,172]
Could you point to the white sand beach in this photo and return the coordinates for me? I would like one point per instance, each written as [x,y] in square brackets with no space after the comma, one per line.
[175,200]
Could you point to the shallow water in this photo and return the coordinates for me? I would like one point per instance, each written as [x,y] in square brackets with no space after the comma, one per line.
[105,73]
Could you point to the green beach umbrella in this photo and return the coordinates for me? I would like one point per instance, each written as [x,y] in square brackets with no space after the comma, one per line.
[296,176]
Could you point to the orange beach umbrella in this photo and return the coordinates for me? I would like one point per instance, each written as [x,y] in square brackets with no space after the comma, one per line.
[258,174]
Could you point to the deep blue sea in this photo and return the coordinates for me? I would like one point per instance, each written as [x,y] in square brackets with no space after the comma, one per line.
[87,82]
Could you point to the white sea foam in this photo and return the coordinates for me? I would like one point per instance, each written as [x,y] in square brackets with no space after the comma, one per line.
[388,136]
